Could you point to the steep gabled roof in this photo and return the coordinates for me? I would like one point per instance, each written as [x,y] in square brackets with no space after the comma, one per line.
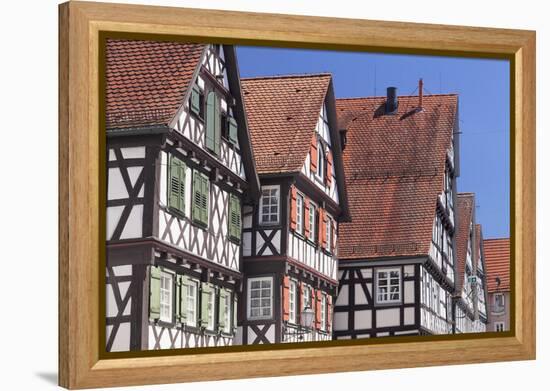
[395,167]
[147,81]
[497,264]
[282,113]
[464,215]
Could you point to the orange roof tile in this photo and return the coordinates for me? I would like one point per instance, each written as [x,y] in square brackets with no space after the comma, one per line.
[497,263]
[464,215]
[395,166]
[147,80]
[282,112]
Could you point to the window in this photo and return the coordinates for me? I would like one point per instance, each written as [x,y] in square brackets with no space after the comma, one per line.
[191,302]
[260,298]
[328,228]
[201,192]
[210,323]
[312,226]
[323,312]
[207,306]
[299,213]
[388,286]
[225,311]
[196,101]
[499,302]
[229,129]
[269,205]
[166,289]
[306,297]
[320,161]
[292,302]
[176,185]
[499,326]
[234,218]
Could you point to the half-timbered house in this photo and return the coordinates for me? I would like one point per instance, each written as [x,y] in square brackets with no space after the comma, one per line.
[469,309]
[290,237]
[179,169]
[497,261]
[397,255]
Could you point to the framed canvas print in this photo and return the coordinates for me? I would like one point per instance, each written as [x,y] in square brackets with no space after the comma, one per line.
[296,194]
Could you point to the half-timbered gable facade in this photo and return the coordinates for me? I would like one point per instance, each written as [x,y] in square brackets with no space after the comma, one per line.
[397,255]
[469,302]
[482,317]
[497,263]
[290,237]
[180,168]
[464,296]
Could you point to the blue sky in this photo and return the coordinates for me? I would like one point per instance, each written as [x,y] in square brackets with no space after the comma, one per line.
[483,87]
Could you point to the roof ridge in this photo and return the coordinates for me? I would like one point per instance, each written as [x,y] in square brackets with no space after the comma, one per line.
[288,76]
[399,96]
[493,239]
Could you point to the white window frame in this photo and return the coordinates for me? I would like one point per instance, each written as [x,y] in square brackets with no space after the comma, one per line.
[292,296]
[277,189]
[499,325]
[211,310]
[320,161]
[166,308]
[306,297]
[311,216]
[300,213]
[249,298]
[389,285]
[227,314]
[497,296]
[323,312]
[194,284]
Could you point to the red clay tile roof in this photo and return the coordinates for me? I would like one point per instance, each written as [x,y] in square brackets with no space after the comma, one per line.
[282,112]
[394,167]
[147,80]
[497,263]
[464,214]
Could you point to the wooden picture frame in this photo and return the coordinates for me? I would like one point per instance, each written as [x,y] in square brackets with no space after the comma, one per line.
[81,362]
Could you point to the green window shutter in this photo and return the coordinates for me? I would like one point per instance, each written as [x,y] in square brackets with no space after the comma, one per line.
[195,100]
[234,217]
[221,310]
[204,200]
[154,294]
[233,131]
[176,187]
[211,121]
[217,126]
[201,195]
[196,196]
[206,290]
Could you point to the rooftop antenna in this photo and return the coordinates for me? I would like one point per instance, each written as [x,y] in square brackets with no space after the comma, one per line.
[440,89]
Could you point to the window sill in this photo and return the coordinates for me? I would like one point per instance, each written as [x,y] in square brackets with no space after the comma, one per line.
[388,303]
[234,240]
[176,212]
[196,116]
[199,224]
[163,323]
